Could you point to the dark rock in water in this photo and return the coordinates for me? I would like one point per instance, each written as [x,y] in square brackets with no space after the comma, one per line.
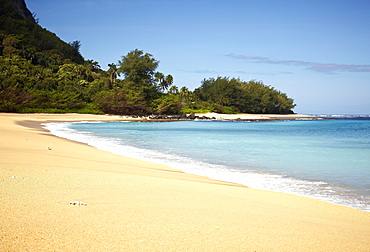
[179,117]
[204,118]
[192,117]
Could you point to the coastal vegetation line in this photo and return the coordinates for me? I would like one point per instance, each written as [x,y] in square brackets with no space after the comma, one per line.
[41,73]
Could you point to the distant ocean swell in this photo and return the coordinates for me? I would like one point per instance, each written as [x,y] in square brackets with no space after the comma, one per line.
[278,182]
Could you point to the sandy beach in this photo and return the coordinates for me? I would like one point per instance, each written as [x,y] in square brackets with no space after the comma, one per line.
[134,205]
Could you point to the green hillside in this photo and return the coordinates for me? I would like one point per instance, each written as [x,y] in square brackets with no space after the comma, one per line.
[20,34]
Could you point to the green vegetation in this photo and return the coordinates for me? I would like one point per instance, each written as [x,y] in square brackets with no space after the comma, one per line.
[234,96]
[41,73]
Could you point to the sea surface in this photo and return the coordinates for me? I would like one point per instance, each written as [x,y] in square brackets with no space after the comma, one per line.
[322,159]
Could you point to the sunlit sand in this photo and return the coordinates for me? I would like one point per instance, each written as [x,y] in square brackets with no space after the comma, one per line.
[123,204]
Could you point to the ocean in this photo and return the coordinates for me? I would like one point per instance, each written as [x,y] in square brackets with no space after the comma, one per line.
[327,160]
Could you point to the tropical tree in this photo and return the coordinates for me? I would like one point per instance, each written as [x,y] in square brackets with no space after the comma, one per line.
[234,95]
[159,77]
[164,82]
[76,45]
[168,81]
[113,73]
[120,102]
[91,67]
[68,72]
[139,71]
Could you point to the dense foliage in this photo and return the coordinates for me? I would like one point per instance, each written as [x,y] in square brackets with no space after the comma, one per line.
[41,73]
[233,95]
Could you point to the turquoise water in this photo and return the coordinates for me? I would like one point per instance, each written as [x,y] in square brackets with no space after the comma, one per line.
[322,159]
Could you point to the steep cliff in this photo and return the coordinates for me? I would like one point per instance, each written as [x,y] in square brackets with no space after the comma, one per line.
[20,32]
[15,9]
[21,8]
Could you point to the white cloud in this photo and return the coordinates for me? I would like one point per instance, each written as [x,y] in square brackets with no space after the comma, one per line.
[313,66]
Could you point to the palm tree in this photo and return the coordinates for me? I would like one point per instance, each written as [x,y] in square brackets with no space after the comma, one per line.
[159,77]
[113,72]
[164,82]
[91,67]
[169,80]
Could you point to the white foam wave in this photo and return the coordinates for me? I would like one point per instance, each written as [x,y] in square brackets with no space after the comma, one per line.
[265,181]
[344,115]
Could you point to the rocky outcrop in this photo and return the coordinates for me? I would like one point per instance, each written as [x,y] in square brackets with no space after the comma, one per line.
[21,8]
[180,117]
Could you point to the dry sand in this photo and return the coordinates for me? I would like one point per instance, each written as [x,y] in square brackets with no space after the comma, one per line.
[134,205]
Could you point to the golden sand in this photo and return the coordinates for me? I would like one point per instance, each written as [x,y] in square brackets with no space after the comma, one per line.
[134,205]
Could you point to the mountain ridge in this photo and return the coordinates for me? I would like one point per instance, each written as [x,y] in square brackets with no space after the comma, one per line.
[20,30]
[22,8]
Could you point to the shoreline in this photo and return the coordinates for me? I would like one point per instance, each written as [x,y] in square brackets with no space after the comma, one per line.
[224,117]
[134,205]
[269,181]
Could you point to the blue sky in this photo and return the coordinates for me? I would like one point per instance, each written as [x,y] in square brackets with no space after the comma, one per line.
[317,51]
